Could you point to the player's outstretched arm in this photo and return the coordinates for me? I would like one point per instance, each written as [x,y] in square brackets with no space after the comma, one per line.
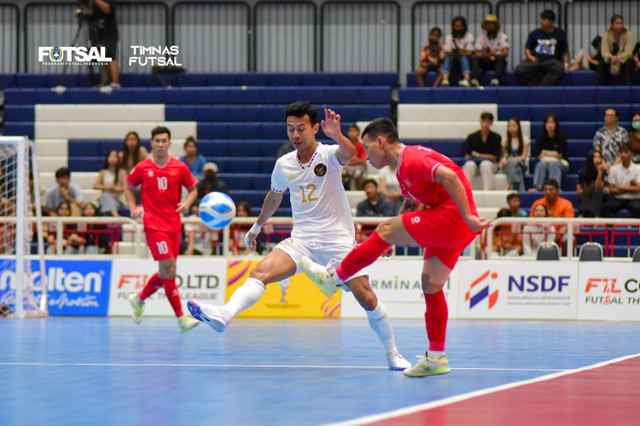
[269,206]
[131,201]
[331,128]
[454,187]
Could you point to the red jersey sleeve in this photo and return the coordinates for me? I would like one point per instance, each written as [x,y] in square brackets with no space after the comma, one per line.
[135,177]
[188,180]
[424,166]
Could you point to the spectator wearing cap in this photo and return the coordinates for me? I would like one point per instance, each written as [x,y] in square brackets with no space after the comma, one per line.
[210,181]
[492,48]
[546,50]
[193,159]
[482,151]
[63,191]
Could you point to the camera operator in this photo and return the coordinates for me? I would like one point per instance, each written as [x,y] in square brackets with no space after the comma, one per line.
[104,33]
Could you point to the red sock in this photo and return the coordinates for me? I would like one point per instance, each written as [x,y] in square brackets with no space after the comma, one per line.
[173,295]
[435,318]
[154,283]
[362,255]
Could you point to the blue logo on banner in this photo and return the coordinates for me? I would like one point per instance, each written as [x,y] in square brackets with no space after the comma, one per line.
[75,287]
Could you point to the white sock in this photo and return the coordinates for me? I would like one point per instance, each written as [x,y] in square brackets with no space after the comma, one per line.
[244,297]
[381,323]
[435,354]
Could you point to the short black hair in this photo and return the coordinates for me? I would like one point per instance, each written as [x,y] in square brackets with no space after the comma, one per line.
[368,181]
[597,41]
[189,140]
[512,196]
[300,109]
[381,127]
[625,146]
[613,109]
[548,14]
[160,130]
[434,29]
[486,116]
[62,172]
[551,182]
[504,212]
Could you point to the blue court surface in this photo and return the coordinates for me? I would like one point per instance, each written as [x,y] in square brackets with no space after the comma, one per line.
[107,371]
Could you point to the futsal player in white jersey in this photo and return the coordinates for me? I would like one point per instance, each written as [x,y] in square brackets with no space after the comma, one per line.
[322,225]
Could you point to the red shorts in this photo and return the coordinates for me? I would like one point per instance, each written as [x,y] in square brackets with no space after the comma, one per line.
[163,244]
[441,231]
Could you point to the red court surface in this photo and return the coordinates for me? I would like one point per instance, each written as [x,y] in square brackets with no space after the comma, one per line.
[601,394]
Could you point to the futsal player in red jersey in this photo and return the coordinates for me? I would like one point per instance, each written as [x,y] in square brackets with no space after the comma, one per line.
[162,178]
[444,229]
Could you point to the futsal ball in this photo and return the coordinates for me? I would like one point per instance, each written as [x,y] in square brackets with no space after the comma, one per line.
[217,210]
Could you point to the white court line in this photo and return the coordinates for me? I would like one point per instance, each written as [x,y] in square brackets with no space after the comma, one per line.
[469,395]
[329,367]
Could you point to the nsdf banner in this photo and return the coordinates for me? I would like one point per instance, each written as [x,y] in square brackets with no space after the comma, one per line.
[518,290]
[609,291]
[75,287]
[197,278]
[295,297]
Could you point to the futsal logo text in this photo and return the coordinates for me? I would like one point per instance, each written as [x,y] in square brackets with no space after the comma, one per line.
[70,55]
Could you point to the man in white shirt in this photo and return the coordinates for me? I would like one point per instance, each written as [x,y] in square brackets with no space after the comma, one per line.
[624,186]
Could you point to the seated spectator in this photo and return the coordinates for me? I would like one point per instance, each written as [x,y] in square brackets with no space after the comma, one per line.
[636,55]
[132,152]
[590,188]
[634,136]
[482,151]
[95,236]
[588,61]
[608,138]
[513,201]
[492,48]
[354,172]
[70,239]
[624,186]
[506,242]
[210,182]
[546,50]
[390,187]
[515,155]
[110,181]
[558,206]
[534,235]
[431,58]
[551,152]
[193,159]
[243,209]
[617,52]
[63,191]
[200,239]
[376,204]
[458,47]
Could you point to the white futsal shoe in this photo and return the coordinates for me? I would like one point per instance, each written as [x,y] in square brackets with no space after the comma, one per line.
[324,277]
[214,316]
[137,307]
[428,366]
[186,323]
[396,361]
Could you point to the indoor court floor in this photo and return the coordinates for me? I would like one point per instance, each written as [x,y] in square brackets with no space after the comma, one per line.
[109,371]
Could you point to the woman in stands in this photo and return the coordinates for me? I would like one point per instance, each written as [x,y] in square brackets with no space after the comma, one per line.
[534,235]
[551,153]
[193,159]
[132,152]
[110,181]
[617,53]
[590,188]
[515,154]
[458,47]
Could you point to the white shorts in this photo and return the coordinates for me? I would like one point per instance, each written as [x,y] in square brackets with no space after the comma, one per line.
[321,253]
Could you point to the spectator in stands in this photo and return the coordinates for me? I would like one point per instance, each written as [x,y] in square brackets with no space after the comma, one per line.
[285,148]
[390,187]
[634,136]
[482,151]
[104,33]
[70,239]
[546,50]
[431,58]
[458,47]
[95,236]
[515,155]
[551,152]
[608,138]
[376,204]
[110,181]
[636,56]
[354,172]
[63,191]
[513,201]
[243,209]
[506,242]
[558,206]
[132,152]
[492,48]
[534,235]
[588,61]
[590,188]
[193,159]
[211,182]
[624,186]
[617,52]
[200,240]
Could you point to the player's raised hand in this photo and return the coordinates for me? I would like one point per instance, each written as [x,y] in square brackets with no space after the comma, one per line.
[478,224]
[331,124]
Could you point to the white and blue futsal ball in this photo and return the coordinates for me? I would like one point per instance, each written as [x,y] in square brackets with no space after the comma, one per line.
[217,210]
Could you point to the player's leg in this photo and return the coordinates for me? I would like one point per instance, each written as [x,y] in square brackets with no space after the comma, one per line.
[276,266]
[379,320]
